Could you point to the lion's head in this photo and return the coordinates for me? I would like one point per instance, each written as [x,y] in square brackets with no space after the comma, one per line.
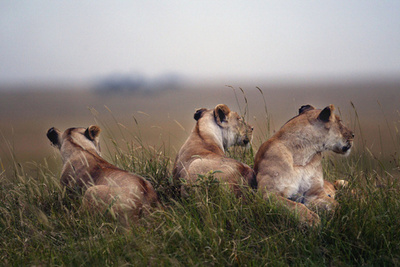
[329,129]
[75,138]
[235,131]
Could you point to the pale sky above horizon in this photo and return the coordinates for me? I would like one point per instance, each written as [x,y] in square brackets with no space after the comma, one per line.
[80,40]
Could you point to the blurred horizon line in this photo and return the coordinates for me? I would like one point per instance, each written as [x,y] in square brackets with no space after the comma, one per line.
[183,79]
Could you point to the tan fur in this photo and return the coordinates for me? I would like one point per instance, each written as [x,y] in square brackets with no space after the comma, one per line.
[204,151]
[105,187]
[330,189]
[289,163]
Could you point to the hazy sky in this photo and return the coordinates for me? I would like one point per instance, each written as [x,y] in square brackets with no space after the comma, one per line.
[62,40]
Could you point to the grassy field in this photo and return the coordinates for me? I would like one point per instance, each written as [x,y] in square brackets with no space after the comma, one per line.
[41,225]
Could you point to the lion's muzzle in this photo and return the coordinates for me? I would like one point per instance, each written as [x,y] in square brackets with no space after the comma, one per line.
[346,148]
[246,140]
[349,142]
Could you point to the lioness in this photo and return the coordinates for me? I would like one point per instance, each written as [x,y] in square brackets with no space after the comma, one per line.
[204,151]
[289,163]
[103,184]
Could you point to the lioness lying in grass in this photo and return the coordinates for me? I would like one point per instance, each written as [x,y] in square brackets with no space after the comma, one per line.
[105,187]
[204,151]
[288,165]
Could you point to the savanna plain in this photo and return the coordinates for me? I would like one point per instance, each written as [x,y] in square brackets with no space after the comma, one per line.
[141,132]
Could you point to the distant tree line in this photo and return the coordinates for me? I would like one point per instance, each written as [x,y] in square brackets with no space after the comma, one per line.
[127,83]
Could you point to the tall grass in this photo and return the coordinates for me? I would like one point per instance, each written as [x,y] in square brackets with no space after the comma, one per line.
[41,225]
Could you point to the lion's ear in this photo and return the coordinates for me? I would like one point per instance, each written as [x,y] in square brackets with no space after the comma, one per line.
[92,132]
[304,108]
[199,113]
[54,136]
[221,113]
[326,114]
